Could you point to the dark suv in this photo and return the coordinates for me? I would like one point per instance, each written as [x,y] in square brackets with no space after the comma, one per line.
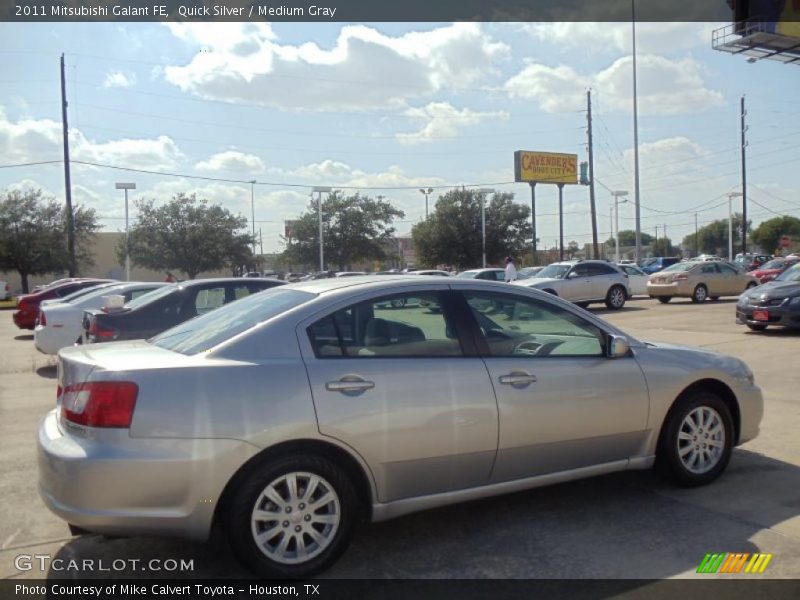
[168,306]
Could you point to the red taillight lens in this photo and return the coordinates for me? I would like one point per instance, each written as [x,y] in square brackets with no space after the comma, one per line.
[99,332]
[100,403]
[680,278]
[42,318]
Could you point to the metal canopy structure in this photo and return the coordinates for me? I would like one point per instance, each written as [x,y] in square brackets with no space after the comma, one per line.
[757,40]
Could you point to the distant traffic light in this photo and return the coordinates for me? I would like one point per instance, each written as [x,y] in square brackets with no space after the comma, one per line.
[584,173]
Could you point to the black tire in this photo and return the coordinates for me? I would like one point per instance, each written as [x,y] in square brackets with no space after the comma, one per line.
[714,298]
[616,297]
[397,302]
[756,327]
[700,294]
[751,285]
[668,459]
[553,292]
[249,493]
[582,304]
[664,299]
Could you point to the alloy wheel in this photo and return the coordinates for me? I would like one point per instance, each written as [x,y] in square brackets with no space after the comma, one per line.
[701,440]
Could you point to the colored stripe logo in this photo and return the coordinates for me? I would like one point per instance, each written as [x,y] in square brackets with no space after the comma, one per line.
[731,562]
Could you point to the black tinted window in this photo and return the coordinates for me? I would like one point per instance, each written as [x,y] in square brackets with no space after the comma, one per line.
[598,269]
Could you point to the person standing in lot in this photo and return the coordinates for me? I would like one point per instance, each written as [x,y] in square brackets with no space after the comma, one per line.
[511,270]
[169,278]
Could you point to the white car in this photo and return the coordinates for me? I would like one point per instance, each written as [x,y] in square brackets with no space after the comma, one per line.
[61,324]
[583,282]
[637,279]
[5,290]
[431,272]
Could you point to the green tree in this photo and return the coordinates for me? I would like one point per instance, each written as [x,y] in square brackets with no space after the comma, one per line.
[33,234]
[355,228]
[452,233]
[713,238]
[663,247]
[571,249]
[187,235]
[627,237]
[769,232]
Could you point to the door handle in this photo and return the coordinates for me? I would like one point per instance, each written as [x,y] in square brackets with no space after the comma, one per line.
[518,378]
[349,383]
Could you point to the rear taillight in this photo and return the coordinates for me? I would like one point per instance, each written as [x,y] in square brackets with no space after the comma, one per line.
[100,332]
[100,403]
[22,304]
[680,278]
[42,318]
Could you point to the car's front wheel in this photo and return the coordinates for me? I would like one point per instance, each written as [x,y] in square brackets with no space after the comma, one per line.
[292,517]
[615,298]
[696,440]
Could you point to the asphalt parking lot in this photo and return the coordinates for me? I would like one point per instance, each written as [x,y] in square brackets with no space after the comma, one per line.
[627,525]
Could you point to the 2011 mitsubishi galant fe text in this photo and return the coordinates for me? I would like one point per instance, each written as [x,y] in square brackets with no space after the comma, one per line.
[285,417]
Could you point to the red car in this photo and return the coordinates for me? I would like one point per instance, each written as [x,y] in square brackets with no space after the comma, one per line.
[770,270]
[28,305]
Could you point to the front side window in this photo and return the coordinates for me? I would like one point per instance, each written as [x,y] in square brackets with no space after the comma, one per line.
[208,299]
[710,268]
[726,270]
[398,326]
[515,326]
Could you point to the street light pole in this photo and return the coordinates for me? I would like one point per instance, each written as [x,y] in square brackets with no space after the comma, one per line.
[636,139]
[617,196]
[731,196]
[426,192]
[126,187]
[253,213]
[319,190]
[483,192]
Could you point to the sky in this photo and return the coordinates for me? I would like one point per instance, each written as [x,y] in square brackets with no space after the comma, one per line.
[388,108]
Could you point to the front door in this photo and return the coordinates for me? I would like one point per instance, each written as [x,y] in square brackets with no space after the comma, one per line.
[393,378]
[563,404]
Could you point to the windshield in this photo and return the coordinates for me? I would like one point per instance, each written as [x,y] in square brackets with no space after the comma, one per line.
[649,261]
[790,274]
[553,272]
[679,267]
[467,274]
[213,328]
[773,264]
[152,296]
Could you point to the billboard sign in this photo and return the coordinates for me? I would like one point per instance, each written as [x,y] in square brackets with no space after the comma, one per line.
[545,167]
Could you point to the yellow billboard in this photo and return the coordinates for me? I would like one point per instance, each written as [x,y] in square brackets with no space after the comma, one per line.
[545,167]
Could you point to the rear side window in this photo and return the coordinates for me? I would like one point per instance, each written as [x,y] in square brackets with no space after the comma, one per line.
[710,268]
[209,299]
[598,269]
[400,326]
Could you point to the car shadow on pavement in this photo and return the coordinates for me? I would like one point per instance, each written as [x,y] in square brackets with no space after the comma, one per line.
[48,371]
[628,525]
[602,310]
[776,332]
[24,336]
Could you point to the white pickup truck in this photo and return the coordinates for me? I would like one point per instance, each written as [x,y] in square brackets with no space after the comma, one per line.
[5,290]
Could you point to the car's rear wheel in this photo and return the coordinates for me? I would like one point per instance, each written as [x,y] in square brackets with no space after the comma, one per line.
[751,285]
[696,440]
[292,517]
[756,327]
[700,294]
[582,304]
[714,298]
[615,298]
[553,292]
[664,299]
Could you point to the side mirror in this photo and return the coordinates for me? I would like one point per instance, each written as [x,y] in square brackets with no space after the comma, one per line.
[618,346]
[572,275]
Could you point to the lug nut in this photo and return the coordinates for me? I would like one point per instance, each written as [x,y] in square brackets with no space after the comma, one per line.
[298,528]
[288,509]
[286,523]
[307,517]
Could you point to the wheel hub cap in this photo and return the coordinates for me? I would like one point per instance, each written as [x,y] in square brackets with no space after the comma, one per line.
[701,440]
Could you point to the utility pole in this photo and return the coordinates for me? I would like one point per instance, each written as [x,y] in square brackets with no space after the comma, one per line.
[636,140]
[533,221]
[666,246]
[696,237]
[744,180]
[591,173]
[67,183]
[656,242]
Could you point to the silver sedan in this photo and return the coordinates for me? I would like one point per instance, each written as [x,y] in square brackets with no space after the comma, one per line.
[287,416]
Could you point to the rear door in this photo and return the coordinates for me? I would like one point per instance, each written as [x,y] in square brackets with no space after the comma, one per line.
[577,284]
[711,278]
[730,280]
[402,386]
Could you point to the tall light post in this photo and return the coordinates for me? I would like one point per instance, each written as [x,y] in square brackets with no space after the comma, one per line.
[617,195]
[484,192]
[426,192]
[126,187]
[253,213]
[319,190]
[636,140]
[731,196]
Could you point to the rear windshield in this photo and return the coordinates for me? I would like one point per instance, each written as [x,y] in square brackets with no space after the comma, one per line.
[84,292]
[790,274]
[152,296]
[467,274]
[773,264]
[681,266]
[213,328]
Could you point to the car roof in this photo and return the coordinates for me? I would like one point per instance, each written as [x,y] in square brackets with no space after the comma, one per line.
[193,282]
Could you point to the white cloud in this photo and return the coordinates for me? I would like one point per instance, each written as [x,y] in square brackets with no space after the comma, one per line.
[665,86]
[119,79]
[364,69]
[232,160]
[32,140]
[658,38]
[442,120]
[335,173]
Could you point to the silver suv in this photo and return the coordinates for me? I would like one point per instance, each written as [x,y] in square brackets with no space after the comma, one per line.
[583,282]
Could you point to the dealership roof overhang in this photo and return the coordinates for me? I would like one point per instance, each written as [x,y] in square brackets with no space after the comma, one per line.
[758,40]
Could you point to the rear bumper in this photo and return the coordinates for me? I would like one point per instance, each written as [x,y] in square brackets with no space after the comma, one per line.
[24,319]
[666,289]
[44,341]
[135,486]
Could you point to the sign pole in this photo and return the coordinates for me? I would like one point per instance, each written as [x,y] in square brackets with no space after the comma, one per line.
[533,221]
[561,221]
